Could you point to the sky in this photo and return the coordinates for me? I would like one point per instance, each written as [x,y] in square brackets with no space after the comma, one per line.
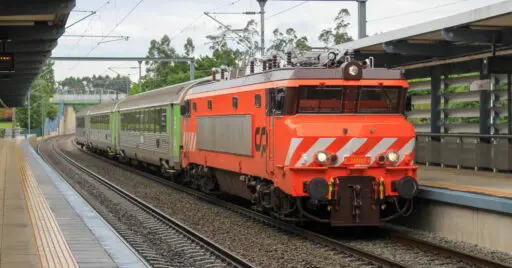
[180,19]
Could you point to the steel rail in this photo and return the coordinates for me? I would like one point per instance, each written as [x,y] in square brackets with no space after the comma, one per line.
[230,258]
[309,235]
[478,261]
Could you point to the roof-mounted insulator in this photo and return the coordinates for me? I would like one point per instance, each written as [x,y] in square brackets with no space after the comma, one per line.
[264,65]
[222,74]
[251,67]
[289,58]
[269,63]
[274,61]
[214,74]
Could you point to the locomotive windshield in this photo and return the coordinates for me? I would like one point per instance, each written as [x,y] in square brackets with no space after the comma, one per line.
[347,99]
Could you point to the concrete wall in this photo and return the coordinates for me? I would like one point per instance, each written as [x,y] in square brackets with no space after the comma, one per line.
[67,123]
[485,228]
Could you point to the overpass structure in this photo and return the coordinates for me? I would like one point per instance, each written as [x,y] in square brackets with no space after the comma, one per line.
[87,99]
[29,30]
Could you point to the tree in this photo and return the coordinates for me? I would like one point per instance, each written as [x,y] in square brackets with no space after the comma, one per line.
[339,35]
[189,47]
[40,92]
[160,49]
[284,42]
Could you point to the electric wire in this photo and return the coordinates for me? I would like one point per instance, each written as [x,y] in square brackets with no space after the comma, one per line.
[416,11]
[286,10]
[199,17]
[113,29]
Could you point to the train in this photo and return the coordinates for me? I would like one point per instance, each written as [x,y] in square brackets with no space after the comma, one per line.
[327,143]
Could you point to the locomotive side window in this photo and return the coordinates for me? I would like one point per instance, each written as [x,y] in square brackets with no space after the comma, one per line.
[234,102]
[257,100]
[194,106]
[276,101]
[210,106]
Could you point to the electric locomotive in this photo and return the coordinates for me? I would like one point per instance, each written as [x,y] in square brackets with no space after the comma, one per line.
[328,144]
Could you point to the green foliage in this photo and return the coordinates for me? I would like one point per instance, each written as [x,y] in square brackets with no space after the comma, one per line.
[339,34]
[284,42]
[40,92]
[84,85]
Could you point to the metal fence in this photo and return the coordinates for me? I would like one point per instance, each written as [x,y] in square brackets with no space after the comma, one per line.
[475,151]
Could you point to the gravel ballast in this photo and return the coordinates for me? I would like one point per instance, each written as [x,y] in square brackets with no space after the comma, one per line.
[256,242]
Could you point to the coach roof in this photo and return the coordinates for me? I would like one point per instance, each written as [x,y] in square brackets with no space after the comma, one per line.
[157,97]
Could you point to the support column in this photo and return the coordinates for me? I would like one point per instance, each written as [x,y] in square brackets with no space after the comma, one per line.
[140,74]
[262,24]
[485,112]
[509,103]
[435,100]
[361,17]
[192,69]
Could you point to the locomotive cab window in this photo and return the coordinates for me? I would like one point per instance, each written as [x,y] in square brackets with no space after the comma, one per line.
[185,108]
[194,106]
[347,99]
[210,106]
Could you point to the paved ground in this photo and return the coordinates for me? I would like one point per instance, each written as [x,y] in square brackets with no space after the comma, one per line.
[18,247]
[485,182]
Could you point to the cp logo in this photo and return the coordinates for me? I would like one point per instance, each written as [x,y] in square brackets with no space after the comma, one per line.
[261,140]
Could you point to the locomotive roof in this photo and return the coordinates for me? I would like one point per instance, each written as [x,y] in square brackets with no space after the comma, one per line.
[297,74]
[157,97]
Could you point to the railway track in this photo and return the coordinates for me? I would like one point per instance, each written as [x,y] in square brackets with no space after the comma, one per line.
[476,261]
[198,250]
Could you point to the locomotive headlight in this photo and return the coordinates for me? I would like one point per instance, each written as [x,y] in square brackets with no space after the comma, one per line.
[392,157]
[322,157]
[331,56]
[353,70]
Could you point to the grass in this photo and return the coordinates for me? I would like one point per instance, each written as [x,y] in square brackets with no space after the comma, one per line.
[5,124]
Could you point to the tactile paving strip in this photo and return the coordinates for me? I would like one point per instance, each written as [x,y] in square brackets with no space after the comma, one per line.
[52,247]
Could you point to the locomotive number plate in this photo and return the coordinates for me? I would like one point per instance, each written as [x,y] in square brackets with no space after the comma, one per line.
[356,160]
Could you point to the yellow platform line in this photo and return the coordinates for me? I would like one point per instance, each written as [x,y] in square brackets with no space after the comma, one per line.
[463,188]
[52,247]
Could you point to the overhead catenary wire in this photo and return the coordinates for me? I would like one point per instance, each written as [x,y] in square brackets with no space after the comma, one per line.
[113,29]
[417,11]
[188,26]
[286,10]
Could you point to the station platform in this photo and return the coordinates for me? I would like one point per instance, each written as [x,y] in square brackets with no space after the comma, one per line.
[478,189]
[45,223]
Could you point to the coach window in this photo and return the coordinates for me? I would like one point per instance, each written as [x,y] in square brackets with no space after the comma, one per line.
[210,106]
[163,119]
[234,102]
[257,100]
[148,126]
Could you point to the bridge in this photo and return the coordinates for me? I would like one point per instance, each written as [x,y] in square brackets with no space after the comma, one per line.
[87,99]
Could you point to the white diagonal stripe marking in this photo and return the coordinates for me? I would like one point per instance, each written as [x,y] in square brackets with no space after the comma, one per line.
[320,144]
[407,149]
[293,146]
[349,148]
[382,146]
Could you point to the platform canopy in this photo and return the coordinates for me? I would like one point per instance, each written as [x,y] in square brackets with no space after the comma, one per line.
[466,37]
[29,30]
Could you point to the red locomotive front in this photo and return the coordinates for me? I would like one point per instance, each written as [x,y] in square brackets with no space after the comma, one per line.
[323,144]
